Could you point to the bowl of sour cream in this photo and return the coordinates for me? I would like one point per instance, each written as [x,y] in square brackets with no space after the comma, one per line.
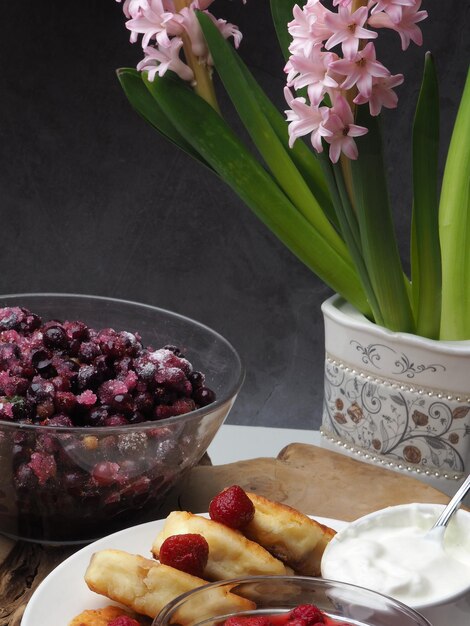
[388,551]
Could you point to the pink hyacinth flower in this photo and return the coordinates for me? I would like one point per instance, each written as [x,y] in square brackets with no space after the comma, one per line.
[228,30]
[308,29]
[159,60]
[382,94]
[348,29]
[342,129]
[191,25]
[405,27]
[393,8]
[134,8]
[342,3]
[311,71]
[157,22]
[305,119]
[360,70]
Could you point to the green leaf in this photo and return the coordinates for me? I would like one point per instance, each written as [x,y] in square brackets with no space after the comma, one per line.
[217,143]
[304,159]
[378,241]
[143,103]
[425,247]
[270,147]
[281,11]
[351,234]
[454,228]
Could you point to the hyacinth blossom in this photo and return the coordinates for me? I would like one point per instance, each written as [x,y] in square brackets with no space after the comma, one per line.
[329,205]
[168,26]
[333,55]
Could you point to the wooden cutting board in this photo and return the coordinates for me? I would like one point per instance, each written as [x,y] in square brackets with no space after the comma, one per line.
[312,479]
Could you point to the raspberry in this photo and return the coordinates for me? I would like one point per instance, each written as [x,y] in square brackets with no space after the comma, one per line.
[124,620]
[242,620]
[309,614]
[188,553]
[296,622]
[232,507]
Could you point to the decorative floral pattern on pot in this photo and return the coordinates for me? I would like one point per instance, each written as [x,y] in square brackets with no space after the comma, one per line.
[409,427]
[383,357]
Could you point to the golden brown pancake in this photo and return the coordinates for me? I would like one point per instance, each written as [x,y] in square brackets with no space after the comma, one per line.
[288,534]
[146,586]
[231,555]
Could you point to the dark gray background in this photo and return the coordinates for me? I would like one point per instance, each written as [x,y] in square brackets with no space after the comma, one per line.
[93,201]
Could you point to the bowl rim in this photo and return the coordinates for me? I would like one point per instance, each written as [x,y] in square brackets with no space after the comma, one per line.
[322,582]
[147,425]
[389,510]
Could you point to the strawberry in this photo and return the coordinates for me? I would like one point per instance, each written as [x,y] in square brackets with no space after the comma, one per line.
[188,553]
[232,507]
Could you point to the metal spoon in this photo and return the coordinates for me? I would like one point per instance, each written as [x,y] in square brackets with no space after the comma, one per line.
[438,529]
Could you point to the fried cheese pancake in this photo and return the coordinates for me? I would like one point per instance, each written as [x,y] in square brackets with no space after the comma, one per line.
[288,534]
[231,555]
[146,586]
[100,617]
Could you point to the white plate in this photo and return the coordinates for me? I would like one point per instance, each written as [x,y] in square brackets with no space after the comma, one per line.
[63,594]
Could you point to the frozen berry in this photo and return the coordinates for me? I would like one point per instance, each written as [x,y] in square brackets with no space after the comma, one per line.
[22,409]
[232,507]
[309,614]
[64,401]
[183,405]
[55,338]
[115,420]
[44,466]
[76,330]
[25,478]
[10,318]
[105,473]
[203,396]
[197,379]
[187,552]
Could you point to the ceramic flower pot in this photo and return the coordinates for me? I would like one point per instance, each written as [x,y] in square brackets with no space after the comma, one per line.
[396,398]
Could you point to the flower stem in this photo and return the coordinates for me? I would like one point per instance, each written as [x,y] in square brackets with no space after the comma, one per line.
[357,4]
[203,85]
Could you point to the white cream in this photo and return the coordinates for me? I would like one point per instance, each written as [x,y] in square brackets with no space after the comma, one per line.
[388,552]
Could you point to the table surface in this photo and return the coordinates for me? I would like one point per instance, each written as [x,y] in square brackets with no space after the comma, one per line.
[311,478]
[238,443]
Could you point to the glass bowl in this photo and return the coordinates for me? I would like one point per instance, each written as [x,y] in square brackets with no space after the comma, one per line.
[344,604]
[101,479]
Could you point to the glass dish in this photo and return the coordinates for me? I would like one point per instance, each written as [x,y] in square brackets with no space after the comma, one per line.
[274,595]
[153,455]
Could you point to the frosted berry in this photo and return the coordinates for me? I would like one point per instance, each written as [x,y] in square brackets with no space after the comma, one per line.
[43,466]
[55,338]
[232,507]
[187,552]
[105,473]
[309,613]
[203,396]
